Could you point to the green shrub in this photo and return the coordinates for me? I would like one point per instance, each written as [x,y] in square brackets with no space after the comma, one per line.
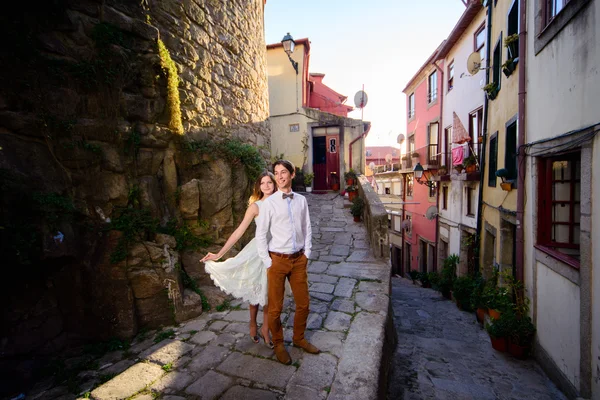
[462,289]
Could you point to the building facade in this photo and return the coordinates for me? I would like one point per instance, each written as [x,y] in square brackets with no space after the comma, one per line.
[325,143]
[561,150]
[459,138]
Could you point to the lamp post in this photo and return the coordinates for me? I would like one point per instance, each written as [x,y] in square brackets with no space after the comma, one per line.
[419,173]
[288,46]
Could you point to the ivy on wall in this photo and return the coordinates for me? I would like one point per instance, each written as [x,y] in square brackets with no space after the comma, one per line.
[173,102]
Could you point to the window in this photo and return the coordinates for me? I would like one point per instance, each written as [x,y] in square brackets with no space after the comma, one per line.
[497,62]
[408,224]
[410,150]
[433,190]
[493,160]
[469,192]
[432,87]
[411,105]
[512,29]
[475,129]
[444,197]
[559,204]
[479,41]
[510,154]
[397,223]
[432,140]
[451,75]
[409,185]
[446,153]
[552,8]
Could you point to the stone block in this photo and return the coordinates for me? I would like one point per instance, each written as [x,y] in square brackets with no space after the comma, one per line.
[246,393]
[189,200]
[208,358]
[172,382]
[295,392]
[345,287]
[322,288]
[129,382]
[375,302]
[346,306]
[328,342]
[337,321]
[316,371]
[210,386]
[166,351]
[317,267]
[322,278]
[248,367]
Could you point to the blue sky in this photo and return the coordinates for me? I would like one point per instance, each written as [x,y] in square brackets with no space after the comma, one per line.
[378,43]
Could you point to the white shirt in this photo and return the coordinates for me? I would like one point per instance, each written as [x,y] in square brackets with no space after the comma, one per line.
[288,222]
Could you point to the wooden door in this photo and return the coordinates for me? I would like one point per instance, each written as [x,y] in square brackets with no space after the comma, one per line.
[319,163]
[333,159]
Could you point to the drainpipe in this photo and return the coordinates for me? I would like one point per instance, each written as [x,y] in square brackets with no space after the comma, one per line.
[485,135]
[521,142]
[363,135]
[437,200]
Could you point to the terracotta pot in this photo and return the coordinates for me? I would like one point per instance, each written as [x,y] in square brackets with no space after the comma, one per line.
[471,168]
[506,186]
[458,305]
[356,219]
[350,182]
[335,187]
[499,344]
[518,351]
[352,196]
[494,314]
[480,315]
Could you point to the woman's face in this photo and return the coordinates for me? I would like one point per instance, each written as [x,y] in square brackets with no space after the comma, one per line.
[267,186]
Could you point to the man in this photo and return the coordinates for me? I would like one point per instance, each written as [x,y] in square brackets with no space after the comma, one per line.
[285,216]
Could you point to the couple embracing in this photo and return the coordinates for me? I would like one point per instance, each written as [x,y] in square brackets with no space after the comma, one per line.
[279,251]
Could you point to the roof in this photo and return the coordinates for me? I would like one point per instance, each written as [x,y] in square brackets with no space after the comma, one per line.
[303,41]
[431,59]
[461,26]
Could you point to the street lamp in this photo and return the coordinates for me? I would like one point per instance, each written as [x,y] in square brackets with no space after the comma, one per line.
[288,46]
[419,173]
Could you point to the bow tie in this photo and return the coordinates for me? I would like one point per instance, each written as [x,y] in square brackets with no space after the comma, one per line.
[285,196]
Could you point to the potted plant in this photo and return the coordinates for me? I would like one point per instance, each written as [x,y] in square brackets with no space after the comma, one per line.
[491,90]
[499,301]
[499,331]
[424,279]
[506,185]
[352,192]
[414,275]
[357,208]
[448,275]
[434,279]
[350,177]
[462,290]
[334,181]
[478,298]
[508,67]
[470,163]
[308,179]
[521,337]
[511,42]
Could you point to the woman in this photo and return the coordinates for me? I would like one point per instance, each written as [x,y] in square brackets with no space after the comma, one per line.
[244,276]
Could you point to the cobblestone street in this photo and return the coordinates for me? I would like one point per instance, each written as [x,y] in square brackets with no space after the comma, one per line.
[443,353]
[212,356]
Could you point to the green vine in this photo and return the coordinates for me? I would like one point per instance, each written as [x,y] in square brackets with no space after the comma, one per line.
[135,225]
[170,69]
[234,151]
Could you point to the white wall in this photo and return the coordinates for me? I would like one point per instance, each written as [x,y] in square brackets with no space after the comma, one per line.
[596,279]
[558,320]
[283,81]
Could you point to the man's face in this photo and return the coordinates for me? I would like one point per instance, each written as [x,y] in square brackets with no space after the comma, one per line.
[283,177]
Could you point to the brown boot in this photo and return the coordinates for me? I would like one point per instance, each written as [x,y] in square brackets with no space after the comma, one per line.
[307,347]
[282,355]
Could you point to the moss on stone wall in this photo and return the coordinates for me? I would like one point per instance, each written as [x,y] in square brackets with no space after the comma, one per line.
[173,102]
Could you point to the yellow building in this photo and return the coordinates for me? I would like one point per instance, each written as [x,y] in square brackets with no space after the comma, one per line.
[323,143]
[499,206]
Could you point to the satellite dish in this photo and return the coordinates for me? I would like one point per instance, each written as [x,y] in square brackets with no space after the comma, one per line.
[400,138]
[372,166]
[431,212]
[388,157]
[360,99]
[474,63]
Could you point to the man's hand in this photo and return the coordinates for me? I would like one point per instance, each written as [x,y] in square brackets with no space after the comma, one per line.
[210,257]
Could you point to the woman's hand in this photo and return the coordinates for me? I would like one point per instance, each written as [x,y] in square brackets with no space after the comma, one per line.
[210,257]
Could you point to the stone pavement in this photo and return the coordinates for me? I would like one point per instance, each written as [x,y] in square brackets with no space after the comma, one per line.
[443,353]
[212,356]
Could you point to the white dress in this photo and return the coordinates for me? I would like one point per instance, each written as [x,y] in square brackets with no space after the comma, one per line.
[243,276]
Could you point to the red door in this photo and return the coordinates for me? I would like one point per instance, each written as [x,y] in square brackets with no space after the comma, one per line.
[333,159]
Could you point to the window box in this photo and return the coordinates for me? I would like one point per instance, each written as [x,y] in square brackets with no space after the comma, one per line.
[509,67]
[491,90]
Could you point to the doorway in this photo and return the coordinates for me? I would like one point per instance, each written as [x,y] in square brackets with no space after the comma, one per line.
[319,163]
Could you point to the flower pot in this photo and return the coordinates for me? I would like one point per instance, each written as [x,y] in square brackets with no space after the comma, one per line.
[499,344]
[518,351]
[352,196]
[335,187]
[491,95]
[426,285]
[357,219]
[349,181]
[480,139]
[494,314]
[471,168]
[480,315]
[309,189]
[506,186]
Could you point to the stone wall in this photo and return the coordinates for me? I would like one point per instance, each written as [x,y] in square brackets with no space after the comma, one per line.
[375,218]
[111,109]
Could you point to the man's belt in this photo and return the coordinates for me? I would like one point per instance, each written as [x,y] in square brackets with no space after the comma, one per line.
[287,256]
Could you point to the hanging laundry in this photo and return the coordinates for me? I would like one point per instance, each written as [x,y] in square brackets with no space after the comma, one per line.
[458,155]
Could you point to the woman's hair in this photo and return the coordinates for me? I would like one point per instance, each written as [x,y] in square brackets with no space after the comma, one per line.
[257,194]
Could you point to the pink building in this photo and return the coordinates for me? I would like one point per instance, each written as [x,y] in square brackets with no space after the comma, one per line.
[424,99]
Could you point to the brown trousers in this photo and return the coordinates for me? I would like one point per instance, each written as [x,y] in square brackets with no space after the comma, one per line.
[295,271]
